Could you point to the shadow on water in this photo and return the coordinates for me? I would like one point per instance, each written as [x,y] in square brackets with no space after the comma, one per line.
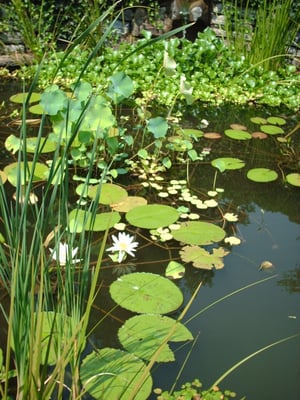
[269,227]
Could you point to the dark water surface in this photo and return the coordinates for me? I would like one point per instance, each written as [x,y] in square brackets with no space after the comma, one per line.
[255,317]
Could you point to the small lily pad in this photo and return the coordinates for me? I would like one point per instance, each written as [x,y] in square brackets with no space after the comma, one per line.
[237,134]
[258,120]
[174,270]
[212,135]
[238,127]
[192,132]
[109,374]
[80,220]
[262,175]
[152,216]
[199,233]
[276,121]
[143,334]
[293,179]
[203,259]
[144,292]
[224,163]
[272,129]
[3,177]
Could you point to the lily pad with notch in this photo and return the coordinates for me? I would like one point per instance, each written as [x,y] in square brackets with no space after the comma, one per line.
[224,163]
[237,134]
[152,216]
[144,292]
[110,373]
[262,175]
[143,334]
[203,259]
[199,233]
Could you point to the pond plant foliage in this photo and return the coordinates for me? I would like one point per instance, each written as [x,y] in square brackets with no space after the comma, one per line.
[56,227]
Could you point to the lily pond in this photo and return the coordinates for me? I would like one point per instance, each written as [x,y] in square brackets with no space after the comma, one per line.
[228,215]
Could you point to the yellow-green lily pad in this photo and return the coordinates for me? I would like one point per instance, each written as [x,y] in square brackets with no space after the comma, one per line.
[262,175]
[293,179]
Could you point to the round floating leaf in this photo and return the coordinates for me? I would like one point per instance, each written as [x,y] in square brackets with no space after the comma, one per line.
[36,109]
[142,335]
[258,120]
[109,374]
[80,220]
[276,121]
[109,193]
[174,270]
[225,163]
[272,129]
[199,233]
[144,292]
[237,134]
[262,175]
[203,259]
[3,177]
[40,172]
[212,135]
[152,216]
[192,132]
[238,127]
[20,98]
[259,135]
[129,203]
[293,179]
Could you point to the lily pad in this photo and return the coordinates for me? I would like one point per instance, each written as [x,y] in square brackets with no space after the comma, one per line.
[20,98]
[80,220]
[272,129]
[258,120]
[152,216]
[212,135]
[142,335]
[158,126]
[3,177]
[224,163]
[192,132]
[109,193]
[199,233]
[276,121]
[262,175]
[18,170]
[174,270]
[203,259]
[238,127]
[144,292]
[237,134]
[293,179]
[109,374]
[14,144]
[129,203]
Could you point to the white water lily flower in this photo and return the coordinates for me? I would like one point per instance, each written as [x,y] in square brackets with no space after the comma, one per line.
[123,244]
[230,217]
[61,255]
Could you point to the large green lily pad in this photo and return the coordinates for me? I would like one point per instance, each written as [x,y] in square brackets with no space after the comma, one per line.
[224,163]
[109,193]
[262,175]
[152,216]
[203,259]
[80,220]
[144,292]
[111,374]
[25,171]
[199,233]
[143,334]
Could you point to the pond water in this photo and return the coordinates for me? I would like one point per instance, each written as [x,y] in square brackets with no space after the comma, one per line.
[241,324]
